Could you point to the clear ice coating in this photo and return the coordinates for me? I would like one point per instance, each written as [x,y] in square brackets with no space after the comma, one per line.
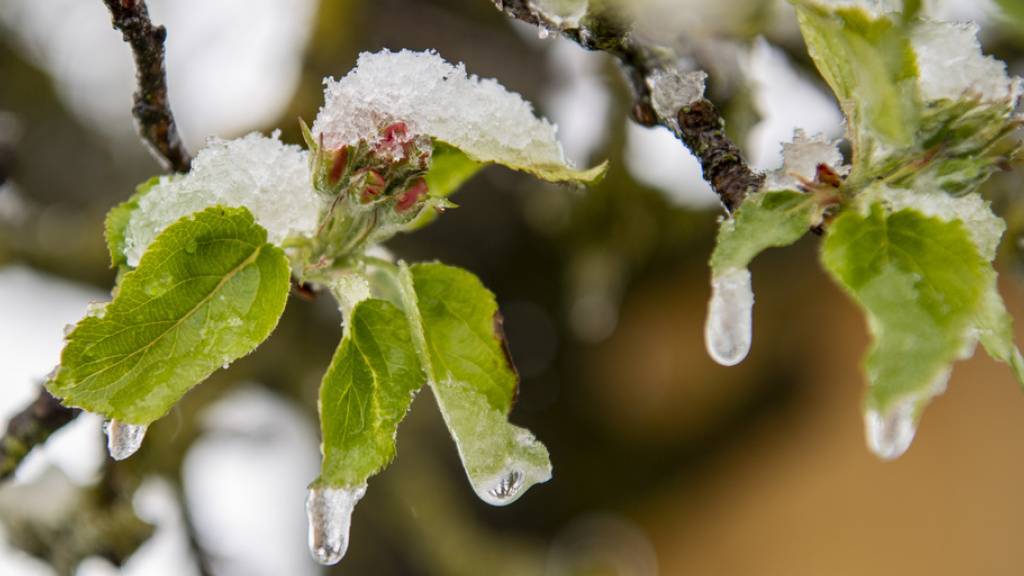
[123,439]
[672,89]
[727,333]
[268,177]
[329,511]
[889,435]
[503,489]
[438,99]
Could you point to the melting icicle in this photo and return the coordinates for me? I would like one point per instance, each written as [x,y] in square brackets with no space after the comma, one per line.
[502,490]
[727,332]
[543,33]
[330,516]
[123,439]
[891,434]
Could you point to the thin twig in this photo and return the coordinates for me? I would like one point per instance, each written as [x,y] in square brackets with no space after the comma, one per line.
[152,110]
[31,427]
[698,124]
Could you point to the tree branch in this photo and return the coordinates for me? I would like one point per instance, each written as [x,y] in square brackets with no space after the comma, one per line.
[31,427]
[698,124]
[152,110]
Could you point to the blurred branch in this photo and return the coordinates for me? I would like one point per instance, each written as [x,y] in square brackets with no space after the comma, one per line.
[698,124]
[152,109]
[31,427]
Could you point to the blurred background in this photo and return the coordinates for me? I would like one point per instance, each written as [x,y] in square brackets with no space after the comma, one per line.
[665,463]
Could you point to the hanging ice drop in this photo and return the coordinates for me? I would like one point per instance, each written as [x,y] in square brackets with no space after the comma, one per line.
[727,332]
[329,511]
[123,439]
[501,490]
[890,435]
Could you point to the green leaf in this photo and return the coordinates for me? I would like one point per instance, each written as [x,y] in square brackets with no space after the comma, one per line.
[870,65]
[1013,11]
[550,171]
[449,169]
[207,291]
[457,331]
[117,222]
[921,282]
[995,330]
[764,220]
[366,393]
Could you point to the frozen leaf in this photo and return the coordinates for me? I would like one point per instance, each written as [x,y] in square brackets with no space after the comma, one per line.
[269,178]
[437,99]
[764,220]
[208,290]
[366,393]
[922,284]
[457,329]
[117,221]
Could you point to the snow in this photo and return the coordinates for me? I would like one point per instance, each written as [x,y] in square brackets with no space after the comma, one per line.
[800,160]
[952,66]
[268,177]
[672,89]
[438,99]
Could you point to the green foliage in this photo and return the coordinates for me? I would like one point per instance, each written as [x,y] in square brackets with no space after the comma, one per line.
[117,222]
[449,169]
[765,220]
[366,393]
[457,330]
[869,64]
[208,291]
[921,282]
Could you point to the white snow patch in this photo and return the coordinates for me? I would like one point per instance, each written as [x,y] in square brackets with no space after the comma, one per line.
[800,160]
[952,65]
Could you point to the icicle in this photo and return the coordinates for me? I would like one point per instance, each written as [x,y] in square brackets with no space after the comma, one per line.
[501,490]
[890,435]
[727,332]
[543,33]
[330,516]
[123,440]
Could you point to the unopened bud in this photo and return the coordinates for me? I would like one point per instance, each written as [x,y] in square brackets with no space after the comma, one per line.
[412,195]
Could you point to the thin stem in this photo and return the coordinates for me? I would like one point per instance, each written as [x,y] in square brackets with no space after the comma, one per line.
[30,428]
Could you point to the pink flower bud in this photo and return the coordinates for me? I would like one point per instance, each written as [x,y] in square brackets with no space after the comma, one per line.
[412,195]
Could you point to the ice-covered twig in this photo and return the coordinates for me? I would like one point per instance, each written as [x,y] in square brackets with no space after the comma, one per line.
[696,122]
[152,109]
[30,428]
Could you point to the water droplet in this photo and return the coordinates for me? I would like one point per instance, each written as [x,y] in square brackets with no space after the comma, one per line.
[727,332]
[123,440]
[543,33]
[329,511]
[890,435]
[502,490]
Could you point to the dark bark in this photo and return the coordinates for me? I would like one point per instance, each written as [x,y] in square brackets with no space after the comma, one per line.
[31,427]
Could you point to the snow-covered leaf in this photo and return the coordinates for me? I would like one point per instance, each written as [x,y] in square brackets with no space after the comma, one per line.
[116,223]
[457,330]
[437,99]
[207,291]
[269,178]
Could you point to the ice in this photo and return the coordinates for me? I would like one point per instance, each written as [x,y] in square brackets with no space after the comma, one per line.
[952,66]
[984,227]
[672,89]
[123,439]
[873,7]
[329,511]
[268,177]
[889,435]
[727,333]
[561,14]
[800,160]
[438,99]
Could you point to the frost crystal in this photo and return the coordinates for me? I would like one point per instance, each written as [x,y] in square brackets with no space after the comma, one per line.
[727,333]
[800,160]
[673,89]
[952,66]
[438,99]
[984,227]
[268,177]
